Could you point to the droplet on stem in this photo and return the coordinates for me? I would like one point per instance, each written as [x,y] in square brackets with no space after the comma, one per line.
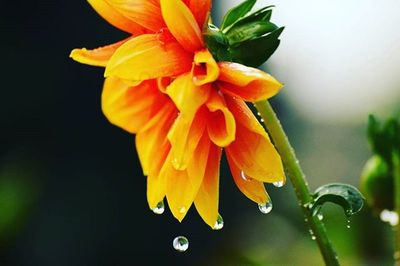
[390,217]
[180,243]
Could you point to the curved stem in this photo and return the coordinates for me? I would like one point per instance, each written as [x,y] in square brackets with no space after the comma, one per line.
[396,176]
[298,181]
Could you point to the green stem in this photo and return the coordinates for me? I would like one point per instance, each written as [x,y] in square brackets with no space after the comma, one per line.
[298,181]
[396,176]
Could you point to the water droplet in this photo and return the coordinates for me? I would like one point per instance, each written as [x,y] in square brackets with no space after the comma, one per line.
[320,216]
[313,237]
[182,209]
[312,234]
[180,243]
[279,184]
[390,217]
[159,209]
[262,120]
[219,224]
[258,113]
[265,208]
[348,224]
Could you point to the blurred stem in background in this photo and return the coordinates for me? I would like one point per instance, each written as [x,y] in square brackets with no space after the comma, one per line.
[396,176]
[298,180]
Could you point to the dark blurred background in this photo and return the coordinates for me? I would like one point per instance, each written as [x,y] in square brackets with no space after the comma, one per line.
[71,188]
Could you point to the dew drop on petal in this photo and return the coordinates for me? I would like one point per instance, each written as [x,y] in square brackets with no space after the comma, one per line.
[182,209]
[159,209]
[390,217]
[219,224]
[180,243]
[279,184]
[265,208]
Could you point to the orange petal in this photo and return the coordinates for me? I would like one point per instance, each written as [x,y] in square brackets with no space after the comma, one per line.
[249,84]
[130,107]
[146,13]
[252,150]
[184,136]
[115,18]
[182,24]
[145,57]
[205,69]
[201,10]
[251,188]
[221,124]
[96,57]
[207,198]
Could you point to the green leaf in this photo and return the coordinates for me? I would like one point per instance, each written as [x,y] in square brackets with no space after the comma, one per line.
[263,14]
[237,12]
[249,31]
[347,196]
[216,42]
[256,51]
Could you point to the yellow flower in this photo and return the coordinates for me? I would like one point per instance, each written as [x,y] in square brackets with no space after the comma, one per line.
[164,85]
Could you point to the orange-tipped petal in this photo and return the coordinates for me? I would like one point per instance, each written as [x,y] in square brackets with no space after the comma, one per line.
[96,57]
[182,24]
[205,69]
[130,107]
[207,198]
[221,124]
[201,10]
[104,9]
[252,150]
[253,189]
[184,136]
[152,142]
[146,57]
[247,83]
[147,13]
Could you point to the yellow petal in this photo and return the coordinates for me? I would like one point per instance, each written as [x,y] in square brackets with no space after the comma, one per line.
[96,57]
[247,83]
[207,198]
[130,107]
[221,124]
[253,189]
[184,136]
[205,69]
[146,57]
[182,24]
[252,150]
[104,9]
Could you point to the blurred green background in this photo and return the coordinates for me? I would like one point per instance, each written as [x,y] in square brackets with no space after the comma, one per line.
[71,187]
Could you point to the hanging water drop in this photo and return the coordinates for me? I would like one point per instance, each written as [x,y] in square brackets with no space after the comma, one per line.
[265,208]
[180,243]
[159,209]
[219,224]
[279,184]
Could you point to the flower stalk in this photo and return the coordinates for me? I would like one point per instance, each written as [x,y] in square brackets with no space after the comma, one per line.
[396,176]
[299,182]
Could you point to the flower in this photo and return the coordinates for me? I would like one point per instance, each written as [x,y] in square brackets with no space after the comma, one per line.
[165,86]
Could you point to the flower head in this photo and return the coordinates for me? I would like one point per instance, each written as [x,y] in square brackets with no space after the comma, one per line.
[164,85]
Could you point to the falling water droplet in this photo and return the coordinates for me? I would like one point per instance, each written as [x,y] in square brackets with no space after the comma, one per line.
[265,208]
[320,216]
[390,217]
[159,209]
[219,224]
[182,209]
[279,184]
[180,243]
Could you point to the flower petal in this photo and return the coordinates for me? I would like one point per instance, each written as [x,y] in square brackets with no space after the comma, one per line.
[201,10]
[130,107]
[182,24]
[252,150]
[253,189]
[207,198]
[96,57]
[104,9]
[205,69]
[184,136]
[147,13]
[145,57]
[247,83]
[221,124]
